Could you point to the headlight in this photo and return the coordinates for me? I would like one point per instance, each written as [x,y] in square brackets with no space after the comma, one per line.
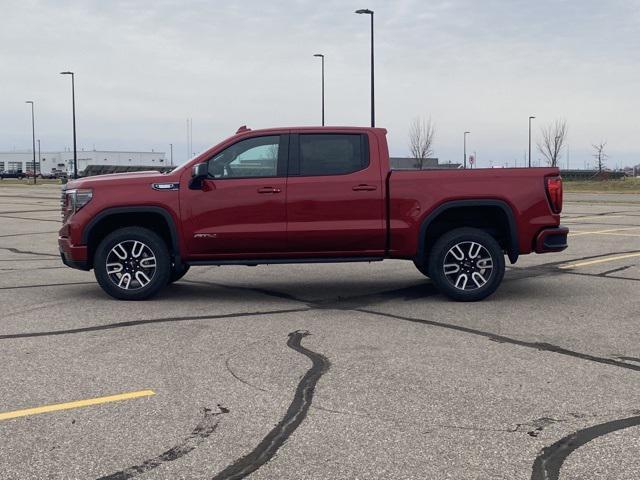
[74,199]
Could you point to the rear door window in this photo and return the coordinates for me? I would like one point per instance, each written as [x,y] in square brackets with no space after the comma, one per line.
[331,154]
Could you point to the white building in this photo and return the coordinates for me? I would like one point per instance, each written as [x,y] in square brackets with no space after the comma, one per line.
[51,162]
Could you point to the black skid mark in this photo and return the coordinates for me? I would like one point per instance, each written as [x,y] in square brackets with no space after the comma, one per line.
[296,413]
[30,219]
[545,347]
[200,433]
[27,252]
[133,323]
[32,211]
[27,234]
[549,462]
[47,285]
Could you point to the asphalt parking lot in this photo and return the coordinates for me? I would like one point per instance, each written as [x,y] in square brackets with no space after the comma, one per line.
[350,371]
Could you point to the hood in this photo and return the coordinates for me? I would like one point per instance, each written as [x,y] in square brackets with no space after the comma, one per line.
[126,177]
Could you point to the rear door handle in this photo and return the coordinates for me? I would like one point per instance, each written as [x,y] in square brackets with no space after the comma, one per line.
[364,187]
[268,190]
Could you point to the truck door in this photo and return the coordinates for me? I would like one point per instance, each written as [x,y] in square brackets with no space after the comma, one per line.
[241,209]
[335,196]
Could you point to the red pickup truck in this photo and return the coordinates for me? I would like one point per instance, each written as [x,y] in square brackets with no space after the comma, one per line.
[322,194]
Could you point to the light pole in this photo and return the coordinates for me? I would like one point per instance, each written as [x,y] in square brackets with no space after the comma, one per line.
[73,107]
[171,157]
[33,133]
[530,118]
[320,55]
[465,148]
[39,158]
[373,108]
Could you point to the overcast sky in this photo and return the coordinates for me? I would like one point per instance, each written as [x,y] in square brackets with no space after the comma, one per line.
[143,67]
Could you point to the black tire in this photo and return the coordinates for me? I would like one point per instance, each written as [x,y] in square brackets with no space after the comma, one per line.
[475,264]
[178,273]
[122,250]
[422,268]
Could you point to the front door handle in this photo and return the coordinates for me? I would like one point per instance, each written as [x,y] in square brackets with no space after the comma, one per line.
[268,190]
[364,187]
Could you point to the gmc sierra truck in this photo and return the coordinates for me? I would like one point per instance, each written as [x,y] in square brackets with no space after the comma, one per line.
[321,194]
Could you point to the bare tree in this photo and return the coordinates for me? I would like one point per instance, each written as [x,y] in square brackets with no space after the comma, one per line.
[421,135]
[600,156]
[554,137]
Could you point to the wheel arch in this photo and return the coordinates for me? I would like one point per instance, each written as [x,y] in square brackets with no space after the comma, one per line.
[157,219]
[450,208]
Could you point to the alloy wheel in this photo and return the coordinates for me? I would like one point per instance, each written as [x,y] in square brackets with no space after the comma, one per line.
[468,266]
[131,265]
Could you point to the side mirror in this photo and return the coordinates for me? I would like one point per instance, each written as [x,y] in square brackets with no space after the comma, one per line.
[198,173]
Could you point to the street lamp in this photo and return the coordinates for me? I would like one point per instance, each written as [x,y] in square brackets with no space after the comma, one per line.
[530,118]
[73,107]
[33,133]
[373,108]
[39,159]
[320,55]
[465,148]
[171,147]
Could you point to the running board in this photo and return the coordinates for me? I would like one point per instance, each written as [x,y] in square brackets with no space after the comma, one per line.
[276,261]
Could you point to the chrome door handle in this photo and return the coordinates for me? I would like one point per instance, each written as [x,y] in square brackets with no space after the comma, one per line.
[268,190]
[364,187]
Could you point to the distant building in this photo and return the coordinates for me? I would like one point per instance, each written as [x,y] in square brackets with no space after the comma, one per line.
[89,162]
[407,163]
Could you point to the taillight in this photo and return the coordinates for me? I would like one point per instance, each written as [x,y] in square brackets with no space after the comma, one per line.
[554,193]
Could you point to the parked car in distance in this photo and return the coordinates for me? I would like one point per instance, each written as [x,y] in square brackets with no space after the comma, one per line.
[321,194]
[12,174]
[53,175]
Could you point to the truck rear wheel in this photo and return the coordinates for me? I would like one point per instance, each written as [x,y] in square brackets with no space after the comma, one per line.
[466,264]
[132,263]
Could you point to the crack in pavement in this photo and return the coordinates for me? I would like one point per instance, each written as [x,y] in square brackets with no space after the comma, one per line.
[550,460]
[199,434]
[132,323]
[629,359]
[540,346]
[296,413]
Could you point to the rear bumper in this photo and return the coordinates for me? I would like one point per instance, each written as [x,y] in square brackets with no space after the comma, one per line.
[552,239]
[74,256]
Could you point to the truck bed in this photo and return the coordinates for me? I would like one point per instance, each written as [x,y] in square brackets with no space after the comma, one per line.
[414,195]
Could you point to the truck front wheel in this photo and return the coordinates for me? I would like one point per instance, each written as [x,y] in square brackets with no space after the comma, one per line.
[466,264]
[132,263]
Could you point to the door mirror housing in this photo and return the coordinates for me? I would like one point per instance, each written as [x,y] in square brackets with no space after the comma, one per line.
[199,172]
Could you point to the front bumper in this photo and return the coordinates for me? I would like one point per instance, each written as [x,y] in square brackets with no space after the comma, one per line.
[74,256]
[552,240]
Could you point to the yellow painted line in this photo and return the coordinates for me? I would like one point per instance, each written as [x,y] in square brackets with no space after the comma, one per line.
[77,404]
[600,260]
[610,230]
